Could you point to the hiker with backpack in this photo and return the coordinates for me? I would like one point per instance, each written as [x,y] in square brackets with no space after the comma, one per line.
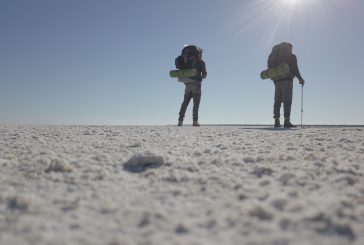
[282,53]
[191,57]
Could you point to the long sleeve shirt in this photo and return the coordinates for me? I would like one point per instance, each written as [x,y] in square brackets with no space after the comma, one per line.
[293,66]
[201,70]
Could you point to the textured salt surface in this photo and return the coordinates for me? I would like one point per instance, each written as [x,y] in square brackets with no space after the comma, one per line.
[170,185]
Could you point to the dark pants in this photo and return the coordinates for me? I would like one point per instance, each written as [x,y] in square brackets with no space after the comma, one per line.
[283,94]
[192,91]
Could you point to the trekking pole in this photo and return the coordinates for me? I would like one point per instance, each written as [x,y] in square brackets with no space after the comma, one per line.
[301,105]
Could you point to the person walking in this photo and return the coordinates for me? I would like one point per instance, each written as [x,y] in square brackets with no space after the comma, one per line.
[282,53]
[191,57]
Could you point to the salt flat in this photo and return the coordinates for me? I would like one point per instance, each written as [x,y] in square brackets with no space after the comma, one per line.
[181,185]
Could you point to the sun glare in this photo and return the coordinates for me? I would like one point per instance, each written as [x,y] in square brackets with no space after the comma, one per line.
[272,18]
[290,1]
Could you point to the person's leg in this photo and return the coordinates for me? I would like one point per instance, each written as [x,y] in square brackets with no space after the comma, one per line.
[184,105]
[287,98]
[196,105]
[196,93]
[287,103]
[277,102]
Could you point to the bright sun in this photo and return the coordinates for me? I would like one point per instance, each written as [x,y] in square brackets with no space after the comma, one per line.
[290,1]
[275,18]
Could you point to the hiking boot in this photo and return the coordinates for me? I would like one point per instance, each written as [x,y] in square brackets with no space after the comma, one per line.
[195,124]
[288,124]
[277,123]
[180,123]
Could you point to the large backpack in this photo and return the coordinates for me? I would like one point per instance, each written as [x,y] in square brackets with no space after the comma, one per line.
[280,54]
[187,58]
[190,50]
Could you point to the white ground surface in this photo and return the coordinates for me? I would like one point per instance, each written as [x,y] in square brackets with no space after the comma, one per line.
[169,185]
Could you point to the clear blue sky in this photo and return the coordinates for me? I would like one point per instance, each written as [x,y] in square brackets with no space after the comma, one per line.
[107,62]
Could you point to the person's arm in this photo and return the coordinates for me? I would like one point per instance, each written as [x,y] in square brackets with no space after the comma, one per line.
[203,69]
[295,70]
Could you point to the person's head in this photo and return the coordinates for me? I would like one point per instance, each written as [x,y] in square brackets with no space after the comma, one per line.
[200,51]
